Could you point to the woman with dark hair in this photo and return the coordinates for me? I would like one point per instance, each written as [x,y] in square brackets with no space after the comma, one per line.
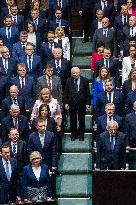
[34,37]
[44,113]
[130,8]
[130,84]
[99,83]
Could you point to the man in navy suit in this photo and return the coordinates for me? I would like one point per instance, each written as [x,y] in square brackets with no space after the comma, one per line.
[47,49]
[59,21]
[3,87]
[15,120]
[8,176]
[13,98]
[110,95]
[130,99]
[44,142]
[32,62]
[8,65]
[18,20]
[61,67]
[109,62]
[19,47]
[6,9]
[110,115]
[26,86]
[130,127]
[9,33]
[111,149]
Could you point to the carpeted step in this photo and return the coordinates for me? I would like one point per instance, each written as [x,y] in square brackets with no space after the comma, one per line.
[77,146]
[87,74]
[74,202]
[88,123]
[75,164]
[81,49]
[74,186]
[82,62]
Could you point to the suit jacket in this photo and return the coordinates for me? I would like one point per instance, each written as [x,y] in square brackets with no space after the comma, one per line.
[65,47]
[126,87]
[102,100]
[64,71]
[4,84]
[22,153]
[36,70]
[46,53]
[113,68]
[126,68]
[56,87]
[28,93]
[64,23]
[8,189]
[82,97]
[108,41]
[29,180]
[106,157]
[20,23]
[13,39]
[130,129]
[130,99]
[23,129]
[7,102]
[12,68]
[17,50]
[48,151]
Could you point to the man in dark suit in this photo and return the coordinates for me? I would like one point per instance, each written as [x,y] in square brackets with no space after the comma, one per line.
[18,20]
[130,127]
[104,35]
[59,21]
[130,99]
[61,67]
[111,149]
[9,33]
[32,62]
[8,65]
[77,100]
[8,176]
[13,98]
[47,49]
[15,120]
[109,62]
[18,148]
[110,95]
[44,142]
[6,9]
[19,47]
[26,86]
[110,115]
[4,84]
[53,82]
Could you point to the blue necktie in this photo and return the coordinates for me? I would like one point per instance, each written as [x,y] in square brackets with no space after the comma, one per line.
[112,143]
[8,33]
[14,150]
[58,68]
[7,171]
[6,66]
[30,64]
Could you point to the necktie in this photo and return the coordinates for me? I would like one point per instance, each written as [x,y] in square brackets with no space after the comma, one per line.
[23,46]
[14,150]
[106,63]
[42,139]
[8,33]
[7,171]
[132,34]
[30,63]
[6,66]
[14,19]
[58,68]
[110,118]
[58,22]
[125,20]
[15,101]
[110,97]
[49,83]
[105,32]
[23,84]
[16,123]
[112,143]
[36,23]
[76,85]
[104,5]
[51,45]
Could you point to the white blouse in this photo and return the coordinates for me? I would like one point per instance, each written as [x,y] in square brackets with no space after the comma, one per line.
[37,172]
[32,38]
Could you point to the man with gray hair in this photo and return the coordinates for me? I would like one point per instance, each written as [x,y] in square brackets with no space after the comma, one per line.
[77,100]
[111,149]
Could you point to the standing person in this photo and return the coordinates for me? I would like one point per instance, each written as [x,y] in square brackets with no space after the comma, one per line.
[77,100]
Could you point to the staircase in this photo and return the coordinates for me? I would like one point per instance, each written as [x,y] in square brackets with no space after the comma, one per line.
[74,180]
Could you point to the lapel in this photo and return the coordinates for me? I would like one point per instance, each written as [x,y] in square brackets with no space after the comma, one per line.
[107,141]
[104,122]
[38,142]
[2,170]
[19,147]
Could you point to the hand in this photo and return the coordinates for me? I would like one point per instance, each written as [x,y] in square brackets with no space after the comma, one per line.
[80,13]
[66,106]
[54,169]
[18,200]
[87,106]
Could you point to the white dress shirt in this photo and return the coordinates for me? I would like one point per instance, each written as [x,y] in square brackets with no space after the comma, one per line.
[9,165]
[37,172]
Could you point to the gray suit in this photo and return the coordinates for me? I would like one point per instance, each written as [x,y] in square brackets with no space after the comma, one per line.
[108,41]
[56,87]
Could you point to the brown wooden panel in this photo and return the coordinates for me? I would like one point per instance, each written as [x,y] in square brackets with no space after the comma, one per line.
[76,24]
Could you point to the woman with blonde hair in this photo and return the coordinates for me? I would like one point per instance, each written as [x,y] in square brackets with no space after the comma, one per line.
[63,41]
[55,110]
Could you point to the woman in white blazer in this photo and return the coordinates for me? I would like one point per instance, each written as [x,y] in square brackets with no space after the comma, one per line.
[128,63]
[63,41]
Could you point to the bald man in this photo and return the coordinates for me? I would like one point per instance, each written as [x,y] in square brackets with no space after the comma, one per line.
[76,100]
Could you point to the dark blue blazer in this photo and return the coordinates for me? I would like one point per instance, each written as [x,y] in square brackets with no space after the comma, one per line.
[48,152]
[127,87]
[46,53]
[8,189]
[4,85]
[17,50]
[130,129]
[29,180]
[12,68]
[130,99]
[7,102]
[53,25]
[13,39]
[106,157]
[94,26]
[20,23]
[97,88]
[28,93]
[102,100]
[23,128]
[36,71]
